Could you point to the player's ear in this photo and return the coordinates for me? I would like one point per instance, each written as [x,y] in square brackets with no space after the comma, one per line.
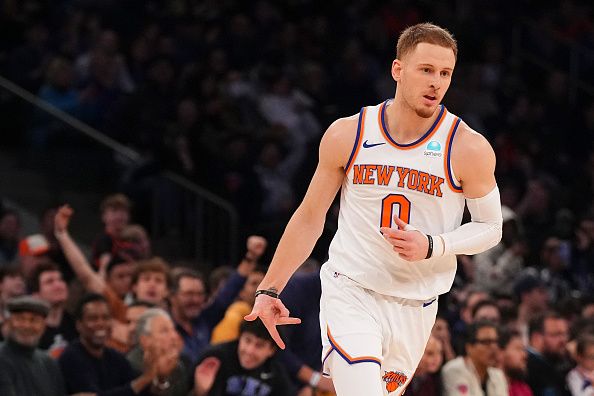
[396,69]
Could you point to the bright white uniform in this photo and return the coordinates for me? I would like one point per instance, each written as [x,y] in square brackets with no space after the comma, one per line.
[368,291]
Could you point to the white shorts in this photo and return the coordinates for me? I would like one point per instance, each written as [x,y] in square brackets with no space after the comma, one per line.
[362,326]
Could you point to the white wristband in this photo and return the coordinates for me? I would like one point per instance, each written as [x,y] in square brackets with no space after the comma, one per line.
[314,380]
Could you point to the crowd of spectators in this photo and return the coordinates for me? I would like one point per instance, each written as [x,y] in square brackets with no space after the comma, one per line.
[235,96]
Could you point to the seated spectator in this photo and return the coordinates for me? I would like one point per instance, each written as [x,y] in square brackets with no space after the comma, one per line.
[133,313]
[33,250]
[476,372]
[118,276]
[555,258]
[218,277]
[155,330]
[115,215]
[151,281]
[24,369]
[497,267]
[514,362]
[580,379]
[10,228]
[48,285]
[195,318]
[548,363]
[533,300]
[228,327]
[473,296]
[12,284]
[486,310]
[89,366]
[441,331]
[427,381]
[245,366]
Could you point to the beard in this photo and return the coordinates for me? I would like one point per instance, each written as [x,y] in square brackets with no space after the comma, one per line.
[425,112]
[516,373]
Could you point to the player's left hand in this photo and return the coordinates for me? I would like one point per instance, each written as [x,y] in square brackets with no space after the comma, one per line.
[410,244]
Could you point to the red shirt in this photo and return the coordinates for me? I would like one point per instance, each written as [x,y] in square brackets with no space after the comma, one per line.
[519,388]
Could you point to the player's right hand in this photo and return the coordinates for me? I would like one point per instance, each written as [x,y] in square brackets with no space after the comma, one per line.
[272,312]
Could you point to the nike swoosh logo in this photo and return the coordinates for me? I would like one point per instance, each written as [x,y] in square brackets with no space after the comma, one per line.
[370,145]
[429,303]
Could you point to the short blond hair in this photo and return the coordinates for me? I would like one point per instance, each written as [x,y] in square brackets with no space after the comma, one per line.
[424,33]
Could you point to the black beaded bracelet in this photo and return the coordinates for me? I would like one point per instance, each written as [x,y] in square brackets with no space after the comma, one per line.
[430,247]
[269,293]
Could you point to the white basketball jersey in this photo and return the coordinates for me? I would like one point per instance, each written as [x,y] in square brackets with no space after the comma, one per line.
[414,181]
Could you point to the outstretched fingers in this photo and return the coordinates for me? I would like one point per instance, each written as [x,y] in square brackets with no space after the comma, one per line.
[271,327]
[288,321]
[251,317]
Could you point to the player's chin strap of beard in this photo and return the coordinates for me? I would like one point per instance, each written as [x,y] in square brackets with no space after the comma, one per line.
[481,233]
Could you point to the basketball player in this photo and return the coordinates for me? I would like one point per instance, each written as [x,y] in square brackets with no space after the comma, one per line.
[406,167]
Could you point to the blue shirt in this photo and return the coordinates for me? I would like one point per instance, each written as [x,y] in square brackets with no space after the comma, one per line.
[202,325]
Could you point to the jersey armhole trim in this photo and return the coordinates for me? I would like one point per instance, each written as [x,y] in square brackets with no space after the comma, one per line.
[451,180]
[358,140]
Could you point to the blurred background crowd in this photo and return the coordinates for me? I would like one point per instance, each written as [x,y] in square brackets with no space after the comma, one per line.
[186,109]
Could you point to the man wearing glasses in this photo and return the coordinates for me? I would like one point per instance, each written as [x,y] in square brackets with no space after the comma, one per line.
[476,373]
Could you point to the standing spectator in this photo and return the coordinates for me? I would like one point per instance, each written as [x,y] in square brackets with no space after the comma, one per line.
[243,367]
[427,381]
[514,362]
[476,373]
[115,214]
[89,366]
[580,380]
[10,228]
[138,240]
[24,369]
[547,355]
[155,329]
[48,285]
[55,253]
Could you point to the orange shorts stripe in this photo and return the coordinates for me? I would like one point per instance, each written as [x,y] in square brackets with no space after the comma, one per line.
[345,355]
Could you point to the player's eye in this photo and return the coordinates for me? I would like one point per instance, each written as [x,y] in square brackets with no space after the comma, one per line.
[445,73]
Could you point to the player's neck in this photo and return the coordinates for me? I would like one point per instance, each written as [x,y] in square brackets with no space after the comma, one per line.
[404,124]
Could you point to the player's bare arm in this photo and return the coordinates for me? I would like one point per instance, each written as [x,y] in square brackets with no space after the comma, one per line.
[306,225]
[473,163]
